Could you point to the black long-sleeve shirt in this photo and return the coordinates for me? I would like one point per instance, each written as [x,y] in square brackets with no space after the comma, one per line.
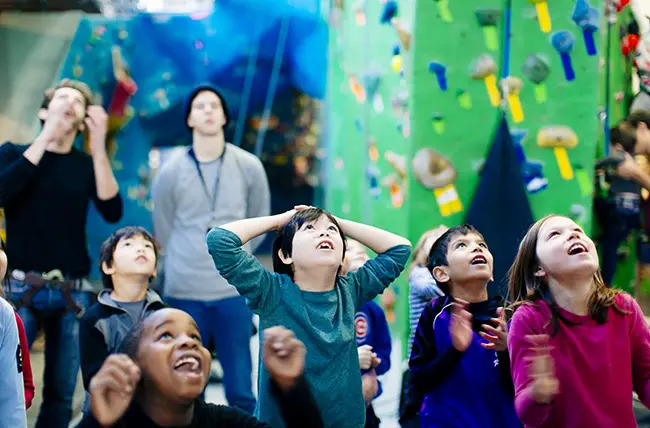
[298,407]
[46,207]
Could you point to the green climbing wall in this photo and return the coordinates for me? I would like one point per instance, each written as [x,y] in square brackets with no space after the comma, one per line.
[468,132]
[367,116]
[457,120]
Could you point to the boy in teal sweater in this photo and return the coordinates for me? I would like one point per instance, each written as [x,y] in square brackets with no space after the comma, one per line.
[307,295]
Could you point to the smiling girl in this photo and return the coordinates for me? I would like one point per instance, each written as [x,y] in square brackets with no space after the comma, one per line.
[577,348]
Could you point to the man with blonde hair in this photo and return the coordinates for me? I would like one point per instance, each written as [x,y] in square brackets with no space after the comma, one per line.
[45,190]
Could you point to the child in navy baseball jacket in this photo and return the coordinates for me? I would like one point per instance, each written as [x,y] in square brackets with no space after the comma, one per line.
[373,336]
[459,359]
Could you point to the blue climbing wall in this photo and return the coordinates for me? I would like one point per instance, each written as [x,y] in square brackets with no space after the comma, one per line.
[239,47]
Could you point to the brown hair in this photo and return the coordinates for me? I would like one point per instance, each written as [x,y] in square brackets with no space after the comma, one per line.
[422,248]
[68,83]
[525,287]
[625,136]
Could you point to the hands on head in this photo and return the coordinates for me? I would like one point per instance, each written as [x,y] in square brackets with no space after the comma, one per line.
[286,216]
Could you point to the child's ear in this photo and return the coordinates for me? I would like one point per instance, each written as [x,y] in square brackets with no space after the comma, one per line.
[42,114]
[440,274]
[107,269]
[287,260]
[540,272]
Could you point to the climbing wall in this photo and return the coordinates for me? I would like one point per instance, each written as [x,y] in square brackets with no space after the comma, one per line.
[368,130]
[274,63]
[453,122]
[452,81]
[368,114]
[550,105]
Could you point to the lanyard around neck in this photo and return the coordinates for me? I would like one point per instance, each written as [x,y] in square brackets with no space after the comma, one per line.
[211,199]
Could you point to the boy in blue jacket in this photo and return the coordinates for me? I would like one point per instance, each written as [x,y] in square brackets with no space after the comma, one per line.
[373,336]
[459,359]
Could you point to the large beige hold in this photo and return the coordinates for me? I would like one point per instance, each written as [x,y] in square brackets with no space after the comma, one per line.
[432,169]
[559,138]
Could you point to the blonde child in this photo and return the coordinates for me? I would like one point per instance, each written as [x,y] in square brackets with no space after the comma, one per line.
[422,290]
[422,285]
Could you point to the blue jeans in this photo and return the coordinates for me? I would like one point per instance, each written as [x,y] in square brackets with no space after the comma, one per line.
[48,309]
[226,325]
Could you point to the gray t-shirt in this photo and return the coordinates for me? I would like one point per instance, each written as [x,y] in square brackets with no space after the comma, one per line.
[183,214]
[210,170]
[133,308]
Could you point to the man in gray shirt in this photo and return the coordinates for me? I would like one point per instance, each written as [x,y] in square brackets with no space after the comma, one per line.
[210,184]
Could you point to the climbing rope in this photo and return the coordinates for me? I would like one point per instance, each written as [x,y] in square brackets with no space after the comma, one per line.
[251,69]
[273,84]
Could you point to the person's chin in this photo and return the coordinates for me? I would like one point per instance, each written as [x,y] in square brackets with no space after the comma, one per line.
[187,395]
[190,384]
[210,131]
[478,276]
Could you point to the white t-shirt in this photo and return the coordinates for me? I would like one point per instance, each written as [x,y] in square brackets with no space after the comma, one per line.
[12,395]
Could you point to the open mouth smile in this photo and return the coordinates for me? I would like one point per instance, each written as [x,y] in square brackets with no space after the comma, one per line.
[325,245]
[189,363]
[577,248]
[479,260]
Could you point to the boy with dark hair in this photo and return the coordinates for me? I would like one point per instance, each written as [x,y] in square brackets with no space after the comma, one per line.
[128,261]
[465,381]
[45,190]
[311,298]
